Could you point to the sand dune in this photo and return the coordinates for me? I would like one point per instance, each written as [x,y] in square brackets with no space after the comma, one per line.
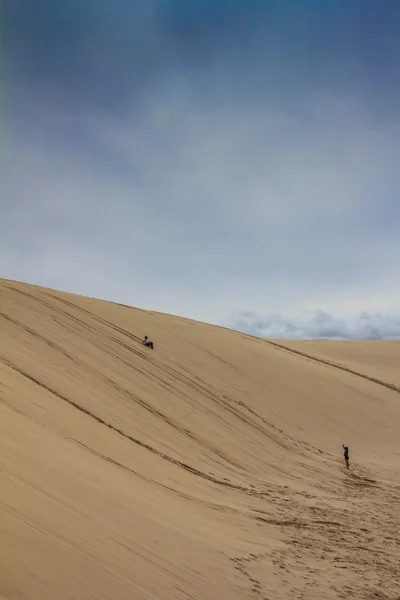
[372,359]
[209,468]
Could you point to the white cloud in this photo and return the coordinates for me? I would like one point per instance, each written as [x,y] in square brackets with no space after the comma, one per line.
[191,208]
[365,326]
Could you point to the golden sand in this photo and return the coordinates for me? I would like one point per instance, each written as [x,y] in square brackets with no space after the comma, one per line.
[209,468]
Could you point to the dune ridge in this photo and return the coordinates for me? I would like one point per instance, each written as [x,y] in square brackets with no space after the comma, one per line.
[299,350]
[210,467]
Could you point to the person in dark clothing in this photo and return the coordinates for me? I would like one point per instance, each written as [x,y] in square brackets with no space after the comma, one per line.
[346,456]
[147,342]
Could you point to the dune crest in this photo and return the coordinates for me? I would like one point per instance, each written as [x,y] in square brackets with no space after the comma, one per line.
[209,467]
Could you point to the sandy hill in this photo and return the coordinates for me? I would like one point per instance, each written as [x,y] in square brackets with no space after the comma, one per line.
[209,468]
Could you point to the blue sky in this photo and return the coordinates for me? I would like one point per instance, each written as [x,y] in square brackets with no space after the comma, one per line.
[237,162]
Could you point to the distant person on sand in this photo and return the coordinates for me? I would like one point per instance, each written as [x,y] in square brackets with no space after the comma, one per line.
[147,342]
[346,456]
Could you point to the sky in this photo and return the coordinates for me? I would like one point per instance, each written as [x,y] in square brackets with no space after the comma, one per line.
[231,161]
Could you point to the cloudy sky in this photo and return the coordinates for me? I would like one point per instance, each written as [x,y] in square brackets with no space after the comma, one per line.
[233,161]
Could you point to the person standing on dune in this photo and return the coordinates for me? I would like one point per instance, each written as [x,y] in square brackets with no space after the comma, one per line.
[346,456]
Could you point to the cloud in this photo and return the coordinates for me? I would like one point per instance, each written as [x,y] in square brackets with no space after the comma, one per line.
[321,325]
[198,168]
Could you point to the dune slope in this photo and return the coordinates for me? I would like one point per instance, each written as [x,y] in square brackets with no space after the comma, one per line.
[208,468]
[372,359]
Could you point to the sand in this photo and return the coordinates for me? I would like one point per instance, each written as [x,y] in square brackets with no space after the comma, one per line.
[209,468]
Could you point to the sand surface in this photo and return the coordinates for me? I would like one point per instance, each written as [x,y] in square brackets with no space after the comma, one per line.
[209,468]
